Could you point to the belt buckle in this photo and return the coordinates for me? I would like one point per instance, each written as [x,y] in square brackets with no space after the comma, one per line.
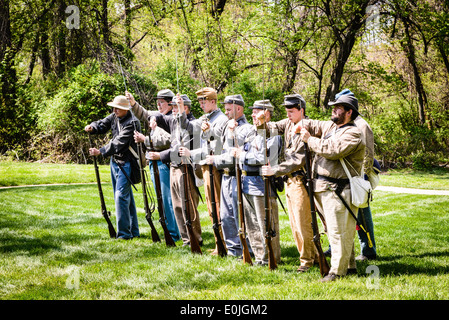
[244,173]
[226,171]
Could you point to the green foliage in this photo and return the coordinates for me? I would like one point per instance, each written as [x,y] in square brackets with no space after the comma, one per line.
[51,87]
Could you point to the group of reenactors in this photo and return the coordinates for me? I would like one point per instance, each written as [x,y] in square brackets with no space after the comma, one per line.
[226,154]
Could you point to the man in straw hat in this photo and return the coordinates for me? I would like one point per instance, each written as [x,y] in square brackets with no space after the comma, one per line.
[120,149]
[331,141]
[292,168]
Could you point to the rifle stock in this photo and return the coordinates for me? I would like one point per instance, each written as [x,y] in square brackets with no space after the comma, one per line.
[106,214]
[242,230]
[324,266]
[268,228]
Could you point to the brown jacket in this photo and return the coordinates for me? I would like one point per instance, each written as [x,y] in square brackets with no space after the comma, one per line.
[293,158]
[329,146]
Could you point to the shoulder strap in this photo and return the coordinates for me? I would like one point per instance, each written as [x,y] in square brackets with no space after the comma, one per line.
[129,147]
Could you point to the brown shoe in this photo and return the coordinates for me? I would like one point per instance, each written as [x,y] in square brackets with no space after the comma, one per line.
[330,277]
[302,269]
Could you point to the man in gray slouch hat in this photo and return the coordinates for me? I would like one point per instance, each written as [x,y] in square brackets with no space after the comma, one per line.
[237,130]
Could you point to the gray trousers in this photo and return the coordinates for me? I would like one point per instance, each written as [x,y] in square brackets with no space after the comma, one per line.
[229,215]
[254,208]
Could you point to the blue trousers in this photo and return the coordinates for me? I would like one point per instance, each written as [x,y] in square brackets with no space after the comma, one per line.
[164,174]
[125,207]
[229,215]
[366,219]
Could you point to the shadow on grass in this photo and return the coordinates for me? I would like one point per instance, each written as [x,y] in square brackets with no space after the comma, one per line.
[408,264]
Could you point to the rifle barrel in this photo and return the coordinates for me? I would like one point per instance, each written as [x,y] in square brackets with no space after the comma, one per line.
[268,228]
[154,235]
[220,244]
[106,214]
[160,206]
[194,244]
[324,266]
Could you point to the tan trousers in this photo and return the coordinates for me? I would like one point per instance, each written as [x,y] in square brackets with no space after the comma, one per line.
[177,194]
[300,217]
[340,229]
[254,209]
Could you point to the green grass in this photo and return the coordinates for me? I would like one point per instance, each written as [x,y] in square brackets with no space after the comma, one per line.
[52,235]
[437,179]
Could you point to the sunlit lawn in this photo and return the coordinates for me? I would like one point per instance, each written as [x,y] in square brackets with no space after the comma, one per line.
[54,244]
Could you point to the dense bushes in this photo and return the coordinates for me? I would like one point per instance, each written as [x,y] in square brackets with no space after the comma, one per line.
[52,115]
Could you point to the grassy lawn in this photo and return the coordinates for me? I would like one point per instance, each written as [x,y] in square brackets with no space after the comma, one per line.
[54,244]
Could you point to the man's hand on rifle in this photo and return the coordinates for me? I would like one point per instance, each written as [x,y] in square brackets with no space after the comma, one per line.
[235,152]
[138,137]
[205,126]
[94,152]
[210,159]
[259,119]
[184,152]
[232,124]
[154,155]
[180,103]
[130,98]
[267,170]
[153,123]
[304,135]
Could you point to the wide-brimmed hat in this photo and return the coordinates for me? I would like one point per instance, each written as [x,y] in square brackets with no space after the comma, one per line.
[235,99]
[294,100]
[184,97]
[166,94]
[262,104]
[207,93]
[346,100]
[120,102]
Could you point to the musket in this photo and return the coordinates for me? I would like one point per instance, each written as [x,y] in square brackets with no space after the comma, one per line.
[154,234]
[269,232]
[221,248]
[160,205]
[106,214]
[324,266]
[242,230]
[194,243]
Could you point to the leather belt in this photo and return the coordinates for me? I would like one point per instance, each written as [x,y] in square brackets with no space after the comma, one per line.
[333,180]
[228,172]
[293,174]
[250,173]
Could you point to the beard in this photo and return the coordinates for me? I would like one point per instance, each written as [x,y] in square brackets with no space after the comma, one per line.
[338,119]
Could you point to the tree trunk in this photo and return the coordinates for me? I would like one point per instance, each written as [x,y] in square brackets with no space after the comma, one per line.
[292,69]
[128,23]
[346,41]
[410,52]
[61,52]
